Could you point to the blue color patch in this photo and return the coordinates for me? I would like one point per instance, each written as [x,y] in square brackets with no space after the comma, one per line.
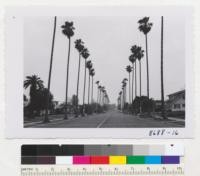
[152,159]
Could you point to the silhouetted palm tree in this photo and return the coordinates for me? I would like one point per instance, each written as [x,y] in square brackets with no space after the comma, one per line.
[124,89]
[89,67]
[97,83]
[79,46]
[103,97]
[129,69]
[132,60]
[100,94]
[67,30]
[134,50]
[92,73]
[145,27]
[35,83]
[46,119]
[85,54]
[162,81]
[140,55]
[120,95]
[123,96]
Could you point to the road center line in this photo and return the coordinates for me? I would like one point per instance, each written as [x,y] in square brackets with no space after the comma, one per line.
[101,123]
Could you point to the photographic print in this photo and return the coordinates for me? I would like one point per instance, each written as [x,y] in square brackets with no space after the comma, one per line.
[97,70]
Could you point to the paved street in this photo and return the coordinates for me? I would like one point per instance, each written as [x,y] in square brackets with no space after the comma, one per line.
[110,119]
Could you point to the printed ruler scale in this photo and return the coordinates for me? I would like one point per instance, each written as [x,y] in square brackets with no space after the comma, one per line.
[102,160]
[100,170]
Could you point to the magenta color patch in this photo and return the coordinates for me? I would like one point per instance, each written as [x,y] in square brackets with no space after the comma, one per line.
[81,160]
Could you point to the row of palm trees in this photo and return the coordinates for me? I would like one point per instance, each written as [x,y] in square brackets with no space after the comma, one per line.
[137,53]
[68,31]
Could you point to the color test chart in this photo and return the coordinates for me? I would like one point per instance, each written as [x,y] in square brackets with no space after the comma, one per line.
[100,160]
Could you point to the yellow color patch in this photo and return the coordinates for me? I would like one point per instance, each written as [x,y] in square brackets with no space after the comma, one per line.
[117,159]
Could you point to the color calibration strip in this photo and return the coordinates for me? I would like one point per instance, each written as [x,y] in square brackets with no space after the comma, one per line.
[101,154]
[102,150]
[122,160]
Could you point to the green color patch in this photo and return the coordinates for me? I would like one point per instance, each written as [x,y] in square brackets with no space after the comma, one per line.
[135,160]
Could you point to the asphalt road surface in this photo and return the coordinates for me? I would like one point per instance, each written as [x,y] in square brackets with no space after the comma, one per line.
[110,119]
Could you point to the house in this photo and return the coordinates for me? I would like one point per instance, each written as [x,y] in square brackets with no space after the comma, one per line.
[176,101]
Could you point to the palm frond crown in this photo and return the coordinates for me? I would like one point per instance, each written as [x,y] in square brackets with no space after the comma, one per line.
[68,29]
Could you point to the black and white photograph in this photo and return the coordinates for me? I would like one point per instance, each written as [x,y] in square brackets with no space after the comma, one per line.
[108,72]
[95,70]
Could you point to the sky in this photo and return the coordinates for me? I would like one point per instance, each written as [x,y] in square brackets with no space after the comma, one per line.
[108,40]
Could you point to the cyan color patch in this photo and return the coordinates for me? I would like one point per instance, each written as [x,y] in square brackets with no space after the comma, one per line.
[152,159]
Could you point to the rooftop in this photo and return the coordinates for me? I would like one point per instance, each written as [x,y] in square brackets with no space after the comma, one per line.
[176,93]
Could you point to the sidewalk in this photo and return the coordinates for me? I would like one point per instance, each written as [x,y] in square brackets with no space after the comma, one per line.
[52,118]
[176,119]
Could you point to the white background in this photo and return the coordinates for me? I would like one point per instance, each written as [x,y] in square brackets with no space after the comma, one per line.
[10,149]
[14,49]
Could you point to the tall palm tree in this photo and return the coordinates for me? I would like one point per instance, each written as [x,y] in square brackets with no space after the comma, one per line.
[124,89]
[35,83]
[67,30]
[89,67]
[123,96]
[162,81]
[129,70]
[132,60]
[140,55]
[46,119]
[92,73]
[79,46]
[125,79]
[120,95]
[145,26]
[97,83]
[99,94]
[134,50]
[103,97]
[85,54]
[102,94]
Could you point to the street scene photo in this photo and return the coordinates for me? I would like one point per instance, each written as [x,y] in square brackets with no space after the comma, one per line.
[104,71]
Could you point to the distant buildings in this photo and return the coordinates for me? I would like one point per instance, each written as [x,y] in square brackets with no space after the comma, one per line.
[176,101]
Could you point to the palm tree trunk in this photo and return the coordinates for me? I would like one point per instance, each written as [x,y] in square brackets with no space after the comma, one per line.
[132,81]
[129,87]
[100,96]
[97,98]
[135,79]
[89,87]
[46,118]
[162,81]
[77,88]
[84,90]
[92,90]
[121,99]
[97,94]
[125,94]
[147,60]
[66,106]
[140,86]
